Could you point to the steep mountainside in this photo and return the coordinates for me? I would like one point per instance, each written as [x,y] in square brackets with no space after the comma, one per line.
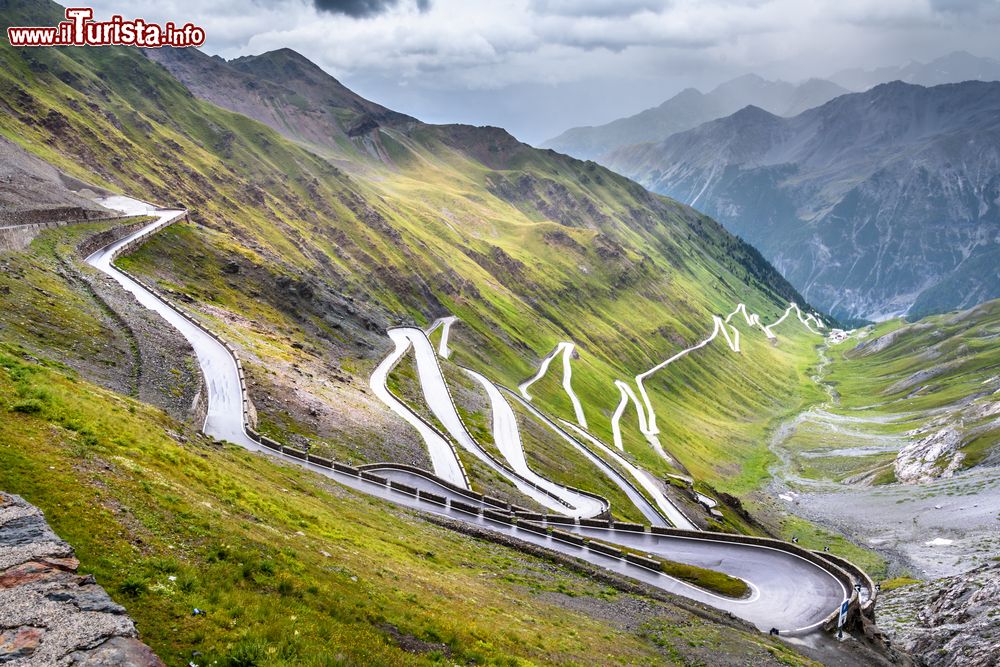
[873,205]
[952,68]
[420,162]
[284,90]
[302,253]
[691,108]
[303,266]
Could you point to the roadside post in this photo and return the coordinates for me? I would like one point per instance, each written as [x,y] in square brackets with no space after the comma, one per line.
[844,606]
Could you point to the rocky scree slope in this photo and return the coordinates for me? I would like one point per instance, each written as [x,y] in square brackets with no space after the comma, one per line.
[949,622]
[33,192]
[873,205]
[284,90]
[50,615]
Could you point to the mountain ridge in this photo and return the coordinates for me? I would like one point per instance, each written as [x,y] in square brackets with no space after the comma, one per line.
[295,247]
[954,67]
[792,186]
[689,108]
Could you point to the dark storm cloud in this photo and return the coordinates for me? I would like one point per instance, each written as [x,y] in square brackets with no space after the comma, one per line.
[362,8]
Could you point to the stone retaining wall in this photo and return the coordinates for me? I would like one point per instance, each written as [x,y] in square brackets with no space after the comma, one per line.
[93,243]
[18,229]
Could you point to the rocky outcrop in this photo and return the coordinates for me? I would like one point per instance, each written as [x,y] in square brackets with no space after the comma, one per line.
[934,455]
[937,451]
[49,614]
[948,622]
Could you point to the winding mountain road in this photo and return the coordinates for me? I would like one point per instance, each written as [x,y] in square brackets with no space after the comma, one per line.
[789,592]
[566,349]
[444,459]
[507,438]
[644,479]
[644,409]
[225,396]
[804,319]
[445,324]
[438,398]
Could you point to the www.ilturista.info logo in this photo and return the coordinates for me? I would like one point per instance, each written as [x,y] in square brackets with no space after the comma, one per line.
[79,29]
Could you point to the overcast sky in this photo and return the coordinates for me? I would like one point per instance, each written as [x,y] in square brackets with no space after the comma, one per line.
[537,67]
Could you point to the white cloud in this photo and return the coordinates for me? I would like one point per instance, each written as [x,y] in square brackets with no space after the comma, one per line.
[468,45]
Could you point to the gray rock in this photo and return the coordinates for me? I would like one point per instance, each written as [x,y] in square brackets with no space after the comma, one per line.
[949,622]
[116,652]
[50,615]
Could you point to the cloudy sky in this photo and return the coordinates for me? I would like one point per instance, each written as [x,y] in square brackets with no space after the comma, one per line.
[537,67]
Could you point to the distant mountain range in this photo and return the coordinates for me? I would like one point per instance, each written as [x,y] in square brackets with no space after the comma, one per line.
[874,204]
[952,68]
[690,108]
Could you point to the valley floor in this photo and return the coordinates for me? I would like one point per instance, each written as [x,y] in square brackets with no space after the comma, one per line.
[937,529]
[837,463]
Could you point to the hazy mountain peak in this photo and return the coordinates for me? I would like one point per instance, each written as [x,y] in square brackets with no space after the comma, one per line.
[874,204]
[688,95]
[746,82]
[751,113]
[689,108]
[953,67]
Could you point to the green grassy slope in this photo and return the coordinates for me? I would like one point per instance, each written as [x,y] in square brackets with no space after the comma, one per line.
[47,309]
[294,570]
[302,265]
[911,379]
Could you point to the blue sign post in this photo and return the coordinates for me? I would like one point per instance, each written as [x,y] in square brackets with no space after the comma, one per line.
[844,606]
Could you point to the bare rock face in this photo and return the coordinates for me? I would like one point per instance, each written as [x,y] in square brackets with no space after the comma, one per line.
[934,455]
[948,622]
[50,615]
